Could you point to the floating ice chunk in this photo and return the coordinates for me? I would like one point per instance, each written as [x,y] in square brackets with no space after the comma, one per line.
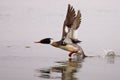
[109,53]
[110,56]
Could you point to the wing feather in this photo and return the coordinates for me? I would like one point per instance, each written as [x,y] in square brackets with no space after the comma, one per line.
[70,17]
[72,22]
[77,21]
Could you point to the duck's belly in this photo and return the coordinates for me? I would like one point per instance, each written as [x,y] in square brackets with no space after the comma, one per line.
[69,48]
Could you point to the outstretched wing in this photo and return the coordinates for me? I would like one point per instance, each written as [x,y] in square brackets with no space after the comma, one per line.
[72,33]
[77,21]
[70,17]
[72,22]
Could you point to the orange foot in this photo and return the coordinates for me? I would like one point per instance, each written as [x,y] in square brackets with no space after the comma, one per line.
[70,54]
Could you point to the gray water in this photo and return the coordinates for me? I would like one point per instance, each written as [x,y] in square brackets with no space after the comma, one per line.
[24,21]
[54,68]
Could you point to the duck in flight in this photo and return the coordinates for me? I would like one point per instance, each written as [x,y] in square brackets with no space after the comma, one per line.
[69,41]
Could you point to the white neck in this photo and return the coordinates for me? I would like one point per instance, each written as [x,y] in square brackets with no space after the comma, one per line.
[51,41]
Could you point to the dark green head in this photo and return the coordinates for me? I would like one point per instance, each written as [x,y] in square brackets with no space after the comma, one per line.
[45,41]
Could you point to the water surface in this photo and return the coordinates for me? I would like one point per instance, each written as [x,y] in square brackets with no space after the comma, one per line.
[50,68]
[24,21]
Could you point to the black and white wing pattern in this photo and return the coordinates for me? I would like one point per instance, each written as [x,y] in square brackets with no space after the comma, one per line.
[72,23]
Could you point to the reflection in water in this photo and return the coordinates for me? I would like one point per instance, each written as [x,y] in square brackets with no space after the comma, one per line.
[110,56]
[66,70]
[110,59]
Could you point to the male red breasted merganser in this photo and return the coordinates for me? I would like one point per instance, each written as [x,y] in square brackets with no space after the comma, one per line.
[68,42]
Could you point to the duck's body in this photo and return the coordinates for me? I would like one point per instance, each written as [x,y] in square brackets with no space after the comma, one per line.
[68,41]
[72,48]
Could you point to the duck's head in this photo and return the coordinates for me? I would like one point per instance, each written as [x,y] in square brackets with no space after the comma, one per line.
[48,41]
[45,41]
